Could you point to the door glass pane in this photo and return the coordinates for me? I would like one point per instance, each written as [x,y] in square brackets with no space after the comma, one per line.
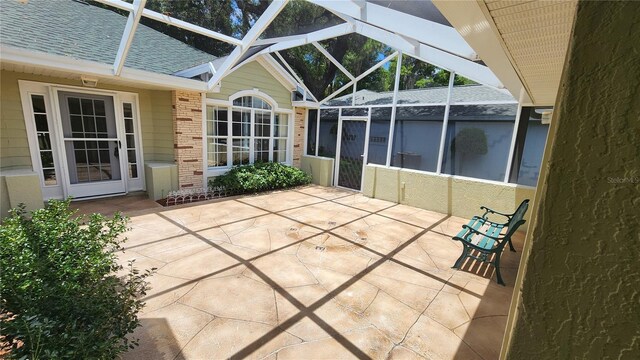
[351,154]
[92,117]
[93,161]
[44,140]
[130,136]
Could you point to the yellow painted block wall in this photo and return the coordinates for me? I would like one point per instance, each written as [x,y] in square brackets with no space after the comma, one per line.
[443,193]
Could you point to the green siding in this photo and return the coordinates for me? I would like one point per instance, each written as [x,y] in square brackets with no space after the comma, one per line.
[253,76]
[155,120]
[14,147]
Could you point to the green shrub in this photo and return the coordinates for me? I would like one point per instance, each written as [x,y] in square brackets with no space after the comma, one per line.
[63,293]
[261,177]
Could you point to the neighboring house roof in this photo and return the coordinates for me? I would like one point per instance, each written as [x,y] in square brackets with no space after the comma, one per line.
[434,95]
[77,29]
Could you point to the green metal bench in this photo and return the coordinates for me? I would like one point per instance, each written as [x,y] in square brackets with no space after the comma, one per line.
[483,235]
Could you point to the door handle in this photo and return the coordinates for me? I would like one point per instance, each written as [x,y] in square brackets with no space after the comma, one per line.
[116,151]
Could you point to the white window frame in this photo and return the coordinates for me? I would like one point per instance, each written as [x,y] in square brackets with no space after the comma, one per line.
[275,109]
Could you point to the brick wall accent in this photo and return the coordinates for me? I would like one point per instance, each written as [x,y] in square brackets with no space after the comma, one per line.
[187,137]
[298,135]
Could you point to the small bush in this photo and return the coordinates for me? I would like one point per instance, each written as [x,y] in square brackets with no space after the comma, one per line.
[61,294]
[261,177]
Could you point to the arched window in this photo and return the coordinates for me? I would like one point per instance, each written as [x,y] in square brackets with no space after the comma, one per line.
[250,131]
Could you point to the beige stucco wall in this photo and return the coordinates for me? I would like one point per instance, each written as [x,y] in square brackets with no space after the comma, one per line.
[443,193]
[580,274]
[320,169]
[253,76]
[155,120]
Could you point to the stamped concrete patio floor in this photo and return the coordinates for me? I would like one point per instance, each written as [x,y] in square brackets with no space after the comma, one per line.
[313,273]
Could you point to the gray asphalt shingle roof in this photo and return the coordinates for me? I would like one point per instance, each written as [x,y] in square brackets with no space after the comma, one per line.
[435,95]
[83,31]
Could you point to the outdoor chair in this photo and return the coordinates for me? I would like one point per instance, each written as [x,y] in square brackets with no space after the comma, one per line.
[484,236]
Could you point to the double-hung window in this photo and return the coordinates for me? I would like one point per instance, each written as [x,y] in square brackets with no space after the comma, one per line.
[248,131]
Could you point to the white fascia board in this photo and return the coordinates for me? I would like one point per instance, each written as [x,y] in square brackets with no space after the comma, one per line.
[479,31]
[292,73]
[250,37]
[333,60]
[173,22]
[306,104]
[277,72]
[127,35]
[20,56]
[194,71]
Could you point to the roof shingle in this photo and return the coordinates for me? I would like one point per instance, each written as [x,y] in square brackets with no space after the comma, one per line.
[77,29]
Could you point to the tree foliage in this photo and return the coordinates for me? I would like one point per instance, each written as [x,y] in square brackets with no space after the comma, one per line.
[355,52]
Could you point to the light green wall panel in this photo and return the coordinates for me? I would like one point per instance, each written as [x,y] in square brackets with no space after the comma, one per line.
[155,120]
[253,76]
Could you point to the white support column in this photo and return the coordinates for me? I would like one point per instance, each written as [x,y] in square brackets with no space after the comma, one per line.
[392,125]
[512,147]
[127,36]
[353,95]
[445,123]
[333,60]
[317,132]
[250,37]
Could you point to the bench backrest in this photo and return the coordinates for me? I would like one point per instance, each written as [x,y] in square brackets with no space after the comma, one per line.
[517,218]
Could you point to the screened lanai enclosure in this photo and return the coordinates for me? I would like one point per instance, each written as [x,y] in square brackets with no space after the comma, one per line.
[378,83]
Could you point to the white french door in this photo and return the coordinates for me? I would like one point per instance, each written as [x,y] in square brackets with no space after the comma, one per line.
[93,154]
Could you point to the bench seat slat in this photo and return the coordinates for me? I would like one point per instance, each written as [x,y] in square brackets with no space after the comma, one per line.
[474,223]
[493,231]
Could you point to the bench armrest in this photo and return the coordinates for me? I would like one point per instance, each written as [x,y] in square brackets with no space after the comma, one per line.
[488,210]
[487,221]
